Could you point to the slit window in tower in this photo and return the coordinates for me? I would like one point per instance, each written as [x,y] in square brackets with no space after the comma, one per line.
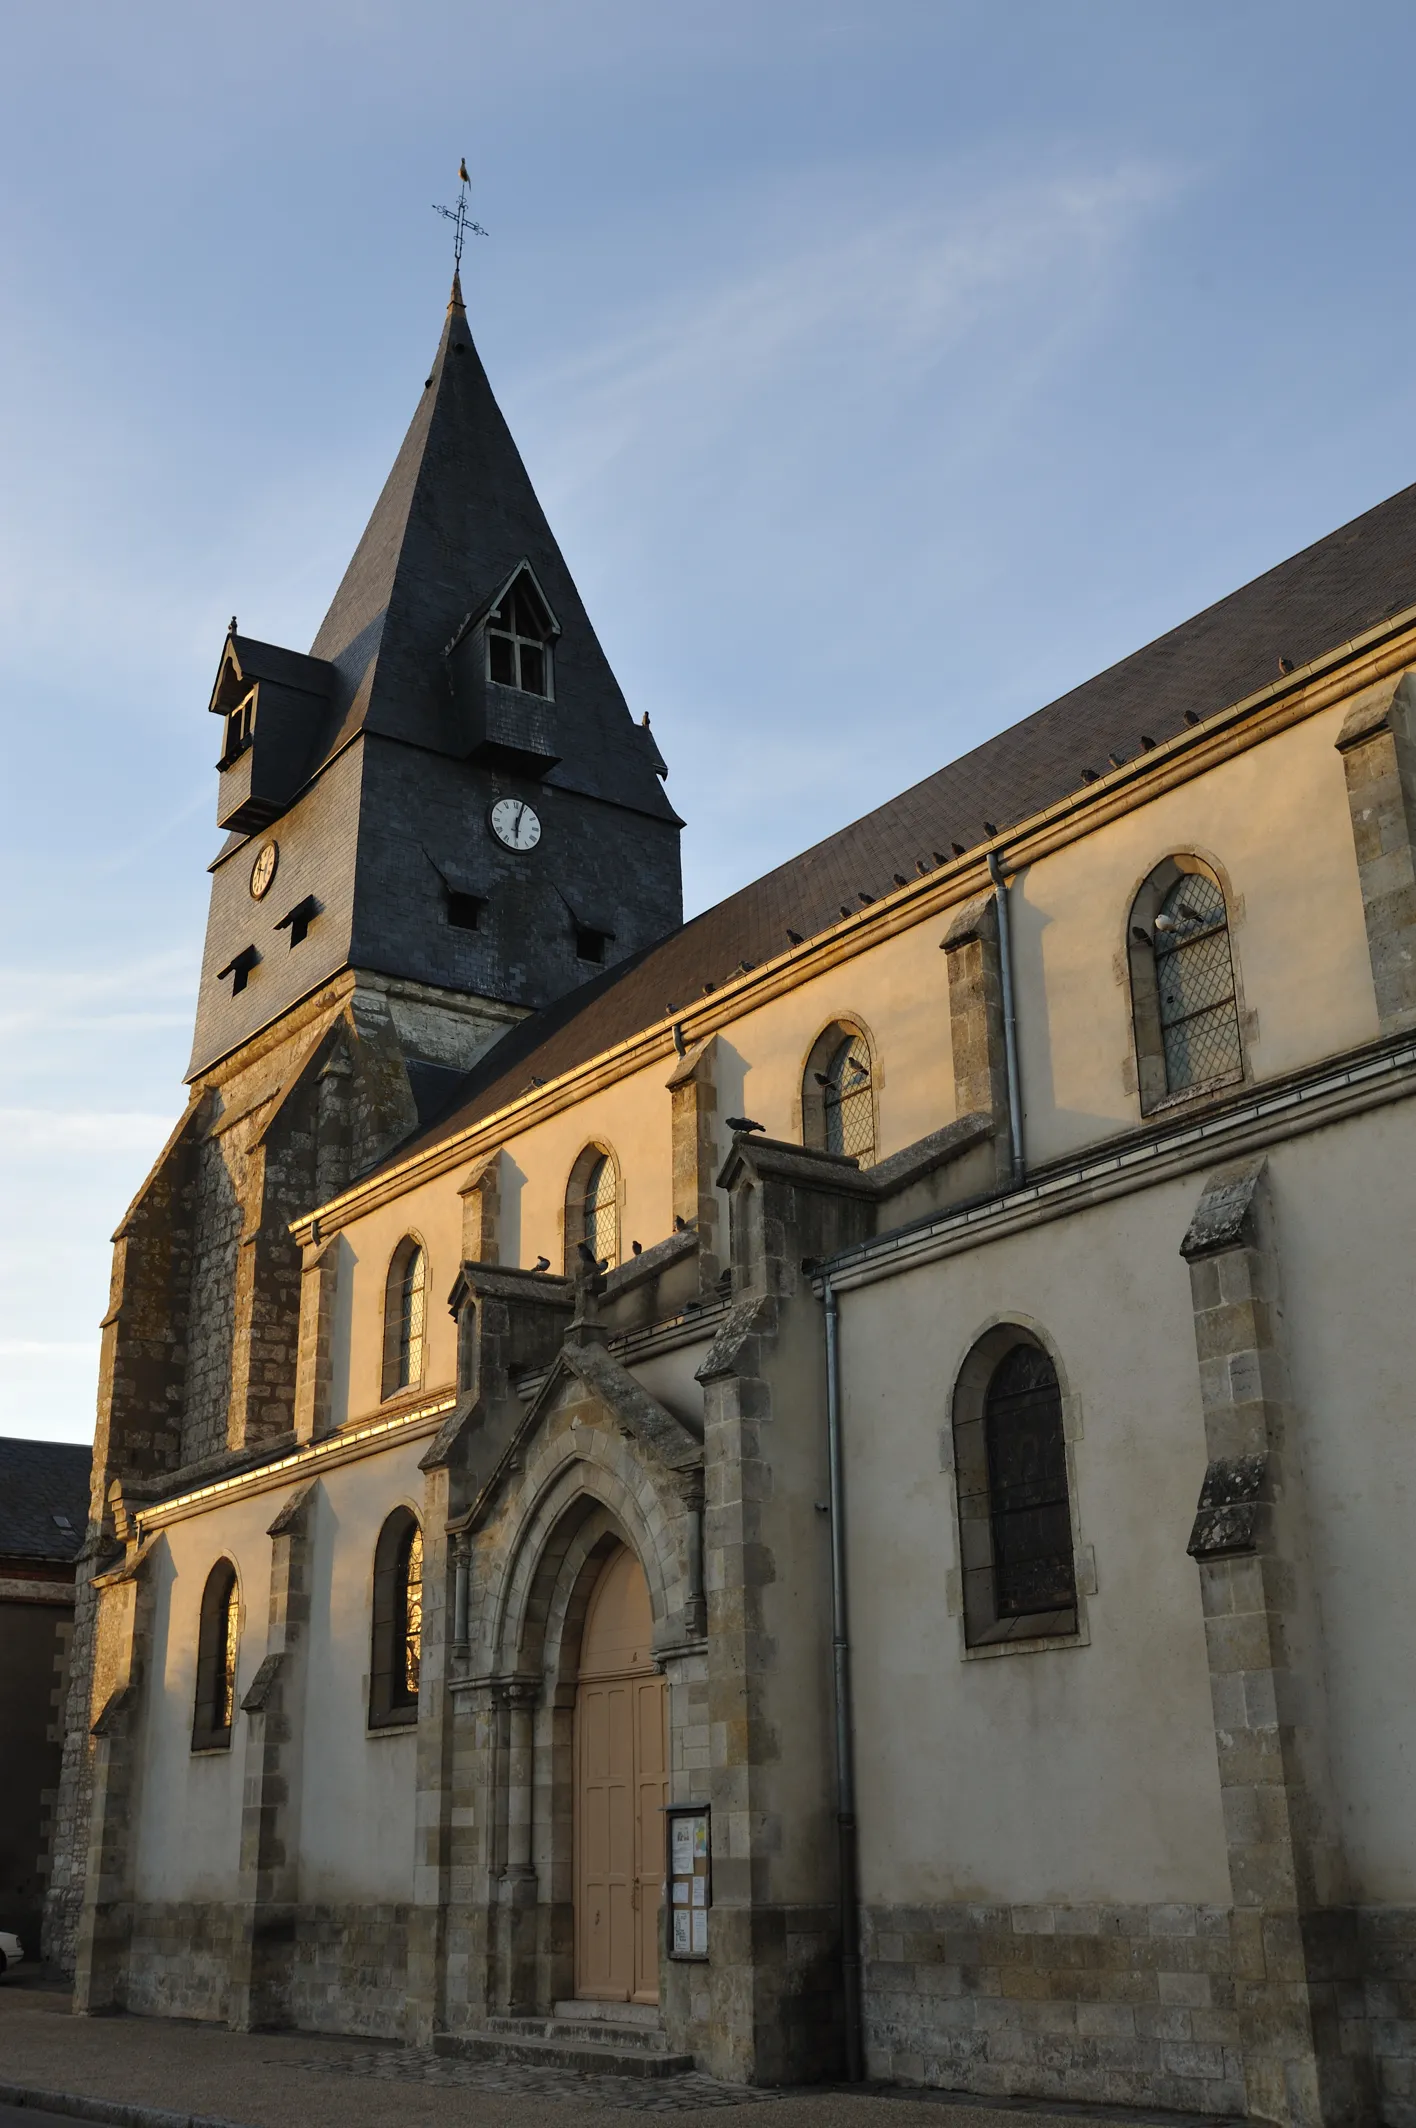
[464,911]
[519,641]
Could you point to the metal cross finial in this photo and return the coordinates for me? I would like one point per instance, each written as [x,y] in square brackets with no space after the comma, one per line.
[459,216]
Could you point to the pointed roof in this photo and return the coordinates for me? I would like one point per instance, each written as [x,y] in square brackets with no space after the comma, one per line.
[457,515]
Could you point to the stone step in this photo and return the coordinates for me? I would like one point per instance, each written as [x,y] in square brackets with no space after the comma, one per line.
[594,2046]
[577,2009]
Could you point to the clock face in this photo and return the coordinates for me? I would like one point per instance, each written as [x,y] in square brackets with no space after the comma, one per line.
[263,870]
[515,824]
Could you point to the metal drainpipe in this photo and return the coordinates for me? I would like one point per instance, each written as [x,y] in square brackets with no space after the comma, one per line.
[1010,1016]
[845,1752]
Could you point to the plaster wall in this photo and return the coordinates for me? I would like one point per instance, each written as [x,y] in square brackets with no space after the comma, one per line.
[1079,1774]
[1346,1242]
[1276,822]
[357,1799]
[188,1841]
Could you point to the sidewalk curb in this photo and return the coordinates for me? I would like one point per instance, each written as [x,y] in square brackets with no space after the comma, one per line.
[118,2113]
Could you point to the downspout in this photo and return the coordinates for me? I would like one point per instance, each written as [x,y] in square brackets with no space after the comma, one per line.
[1010,1017]
[848,1869]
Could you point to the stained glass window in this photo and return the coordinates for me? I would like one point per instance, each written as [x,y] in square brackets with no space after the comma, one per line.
[1194,972]
[1027,1486]
[411,1611]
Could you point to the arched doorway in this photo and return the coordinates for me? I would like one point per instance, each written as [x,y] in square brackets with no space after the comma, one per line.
[621,1787]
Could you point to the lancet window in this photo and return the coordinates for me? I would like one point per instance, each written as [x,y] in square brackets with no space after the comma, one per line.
[218,1647]
[405,1315]
[397,1652]
[1012,1482]
[592,1208]
[838,1105]
[1183,991]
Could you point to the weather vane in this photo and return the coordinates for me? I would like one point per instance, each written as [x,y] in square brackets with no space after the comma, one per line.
[459,217]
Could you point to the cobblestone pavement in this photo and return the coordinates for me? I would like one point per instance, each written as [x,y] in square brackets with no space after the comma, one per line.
[307,2080]
[595,2094]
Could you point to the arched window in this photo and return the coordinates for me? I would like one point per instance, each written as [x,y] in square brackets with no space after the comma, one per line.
[838,1093]
[218,1644]
[405,1311]
[592,1208]
[1183,994]
[520,632]
[398,1622]
[1015,1513]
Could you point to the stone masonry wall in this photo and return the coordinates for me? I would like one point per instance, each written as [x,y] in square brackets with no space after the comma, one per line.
[1116,2005]
[213,1304]
[1387,1939]
[350,1967]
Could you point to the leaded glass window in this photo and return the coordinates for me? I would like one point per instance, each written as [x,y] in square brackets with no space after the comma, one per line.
[601,1215]
[1194,971]
[848,1103]
[405,1317]
[1028,1507]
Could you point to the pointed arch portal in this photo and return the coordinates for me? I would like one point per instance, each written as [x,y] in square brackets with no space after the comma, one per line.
[621,1788]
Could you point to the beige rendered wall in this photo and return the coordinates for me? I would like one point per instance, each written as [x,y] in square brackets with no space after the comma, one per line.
[1346,1226]
[357,1803]
[188,1842]
[1084,1773]
[1275,821]
[434,1213]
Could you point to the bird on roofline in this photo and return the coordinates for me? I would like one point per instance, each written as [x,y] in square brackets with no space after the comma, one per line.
[744,1124]
[462,171]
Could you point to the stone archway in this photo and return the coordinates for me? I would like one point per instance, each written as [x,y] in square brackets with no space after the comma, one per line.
[621,1788]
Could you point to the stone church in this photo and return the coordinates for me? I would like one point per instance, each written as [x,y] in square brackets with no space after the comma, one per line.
[821,1491]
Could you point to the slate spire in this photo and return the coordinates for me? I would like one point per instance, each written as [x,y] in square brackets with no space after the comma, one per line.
[456,516]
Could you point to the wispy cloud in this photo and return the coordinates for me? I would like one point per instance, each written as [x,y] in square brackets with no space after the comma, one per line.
[886,295]
[40,1132]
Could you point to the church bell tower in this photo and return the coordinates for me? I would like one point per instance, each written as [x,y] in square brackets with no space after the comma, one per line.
[448,793]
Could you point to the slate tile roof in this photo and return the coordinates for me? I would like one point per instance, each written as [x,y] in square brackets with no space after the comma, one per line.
[39,1480]
[1348,582]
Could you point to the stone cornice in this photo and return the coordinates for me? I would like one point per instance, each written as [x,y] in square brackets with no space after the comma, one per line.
[350,1445]
[1289,700]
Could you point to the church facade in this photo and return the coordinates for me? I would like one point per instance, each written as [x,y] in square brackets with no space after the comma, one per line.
[824,1490]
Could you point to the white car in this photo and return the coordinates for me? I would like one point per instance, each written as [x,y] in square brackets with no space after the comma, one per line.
[11,1952]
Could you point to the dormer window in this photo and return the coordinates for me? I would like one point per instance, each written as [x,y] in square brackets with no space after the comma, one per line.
[519,633]
[240,728]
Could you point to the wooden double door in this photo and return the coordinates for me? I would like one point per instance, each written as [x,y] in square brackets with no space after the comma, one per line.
[621,1787]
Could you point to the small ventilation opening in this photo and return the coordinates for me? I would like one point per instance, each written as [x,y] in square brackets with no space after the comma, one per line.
[239,969]
[464,911]
[590,945]
[299,919]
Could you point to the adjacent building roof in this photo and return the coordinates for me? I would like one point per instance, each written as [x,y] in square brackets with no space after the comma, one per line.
[1345,584]
[44,1498]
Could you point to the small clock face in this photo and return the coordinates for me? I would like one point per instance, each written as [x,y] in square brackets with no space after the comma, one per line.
[514,823]
[263,870]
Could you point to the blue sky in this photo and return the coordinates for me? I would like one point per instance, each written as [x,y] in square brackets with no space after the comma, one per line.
[885,369]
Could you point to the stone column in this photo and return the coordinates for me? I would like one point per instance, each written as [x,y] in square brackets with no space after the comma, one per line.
[1378,748]
[693,1112]
[976,1023]
[263,1935]
[1297,1982]
[425,2011]
[125,1599]
[516,1888]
